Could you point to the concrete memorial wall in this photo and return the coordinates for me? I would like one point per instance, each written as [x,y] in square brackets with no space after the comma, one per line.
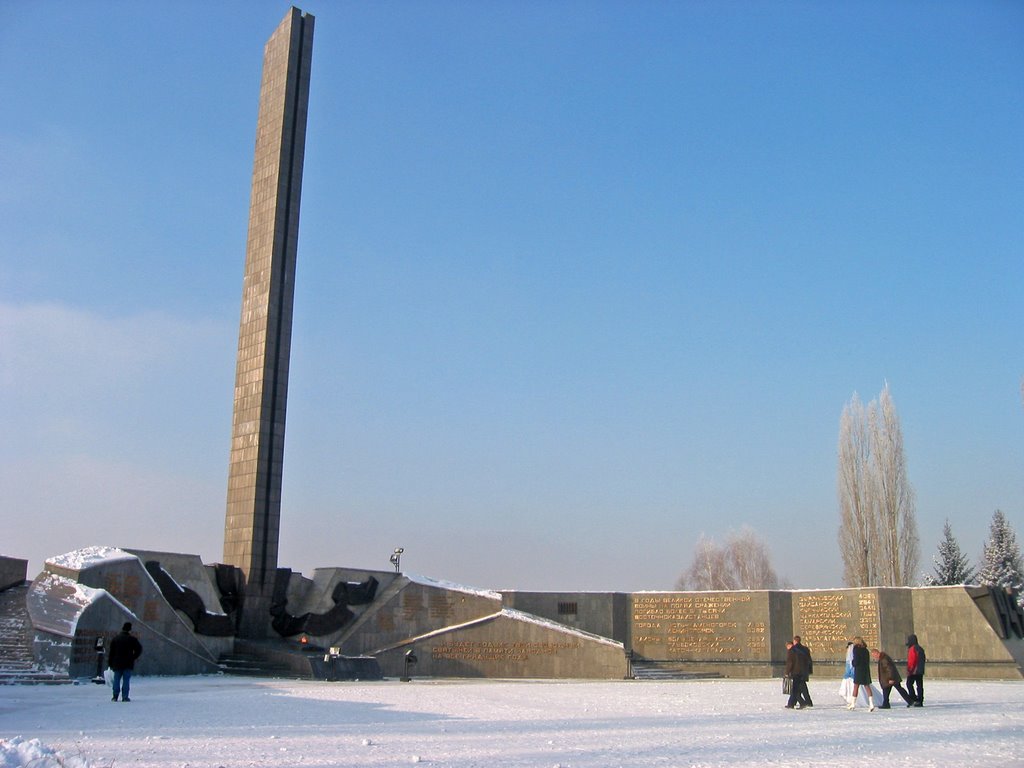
[87,595]
[507,644]
[969,632]
[965,633]
[600,613]
[457,631]
[827,620]
[730,633]
[411,607]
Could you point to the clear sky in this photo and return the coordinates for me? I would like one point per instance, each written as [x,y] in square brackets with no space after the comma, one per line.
[577,281]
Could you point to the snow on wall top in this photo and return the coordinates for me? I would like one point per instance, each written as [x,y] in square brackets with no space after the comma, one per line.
[56,603]
[510,613]
[426,581]
[89,556]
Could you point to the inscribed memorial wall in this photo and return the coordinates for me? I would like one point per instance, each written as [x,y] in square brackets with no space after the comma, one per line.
[707,626]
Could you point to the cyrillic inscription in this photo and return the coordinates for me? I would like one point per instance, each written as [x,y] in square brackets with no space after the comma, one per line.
[482,650]
[692,626]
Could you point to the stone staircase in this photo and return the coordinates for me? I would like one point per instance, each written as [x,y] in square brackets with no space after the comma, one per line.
[251,662]
[646,669]
[17,665]
[282,659]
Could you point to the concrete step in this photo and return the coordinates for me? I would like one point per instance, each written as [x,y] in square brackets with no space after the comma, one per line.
[15,629]
[250,665]
[667,670]
[33,678]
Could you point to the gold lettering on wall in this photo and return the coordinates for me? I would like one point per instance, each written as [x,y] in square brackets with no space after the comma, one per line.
[826,621]
[482,650]
[697,626]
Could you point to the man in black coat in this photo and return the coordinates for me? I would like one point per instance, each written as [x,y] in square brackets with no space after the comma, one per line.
[799,666]
[124,650]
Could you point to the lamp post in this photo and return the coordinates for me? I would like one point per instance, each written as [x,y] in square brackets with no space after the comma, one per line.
[396,558]
[99,680]
[410,659]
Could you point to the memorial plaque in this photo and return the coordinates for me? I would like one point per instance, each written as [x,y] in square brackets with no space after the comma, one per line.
[828,620]
[701,626]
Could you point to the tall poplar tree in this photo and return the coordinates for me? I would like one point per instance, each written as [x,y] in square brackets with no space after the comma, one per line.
[857,515]
[877,516]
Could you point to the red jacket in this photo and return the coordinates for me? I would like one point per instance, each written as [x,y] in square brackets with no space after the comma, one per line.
[915,657]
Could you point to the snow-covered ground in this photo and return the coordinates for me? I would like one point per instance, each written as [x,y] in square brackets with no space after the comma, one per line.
[207,722]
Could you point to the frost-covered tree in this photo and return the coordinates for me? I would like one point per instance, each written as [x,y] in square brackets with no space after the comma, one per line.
[750,561]
[951,564]
[899,550]
[743,562]
[708,570]
[1000,558]
[877,518]
[857,516]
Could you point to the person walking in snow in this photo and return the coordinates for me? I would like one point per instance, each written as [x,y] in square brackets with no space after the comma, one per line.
[861,674]
[799,666]
[915,672]
[124,650]
[888,678]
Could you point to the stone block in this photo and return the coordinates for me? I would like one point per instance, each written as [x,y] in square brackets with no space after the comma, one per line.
[13,571]
[599,613]
[961,635]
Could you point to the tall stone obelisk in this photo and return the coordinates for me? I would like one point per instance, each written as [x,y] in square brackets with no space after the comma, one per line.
[252,522]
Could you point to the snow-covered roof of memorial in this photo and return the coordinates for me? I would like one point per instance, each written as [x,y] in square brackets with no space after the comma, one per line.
[426,581]
[56,603]
[89,556]
[70,591]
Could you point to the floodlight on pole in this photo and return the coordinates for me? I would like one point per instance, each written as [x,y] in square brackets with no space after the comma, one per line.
[396,558]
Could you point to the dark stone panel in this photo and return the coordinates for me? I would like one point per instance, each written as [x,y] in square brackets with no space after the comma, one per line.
[191,604]
[13,572]
[343,595]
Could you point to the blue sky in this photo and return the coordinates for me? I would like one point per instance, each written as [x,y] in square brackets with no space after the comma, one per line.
[577,282]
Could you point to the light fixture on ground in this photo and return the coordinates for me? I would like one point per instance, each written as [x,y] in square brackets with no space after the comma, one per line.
[410,659]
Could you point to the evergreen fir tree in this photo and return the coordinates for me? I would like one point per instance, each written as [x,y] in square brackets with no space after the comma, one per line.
[951,564]
[1000,560]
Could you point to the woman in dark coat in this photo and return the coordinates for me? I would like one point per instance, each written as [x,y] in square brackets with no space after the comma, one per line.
[861,673]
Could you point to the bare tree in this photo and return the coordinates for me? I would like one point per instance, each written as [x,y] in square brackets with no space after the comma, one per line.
[877,519]
[857,517]
[743,562]
[709,569]
[898,552]
[750,561]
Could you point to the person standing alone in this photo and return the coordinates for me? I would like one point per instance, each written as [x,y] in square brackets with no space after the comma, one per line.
[124,650]
[799,666]
[915,672]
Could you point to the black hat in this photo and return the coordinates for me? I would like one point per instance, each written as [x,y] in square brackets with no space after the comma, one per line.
[127,627]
